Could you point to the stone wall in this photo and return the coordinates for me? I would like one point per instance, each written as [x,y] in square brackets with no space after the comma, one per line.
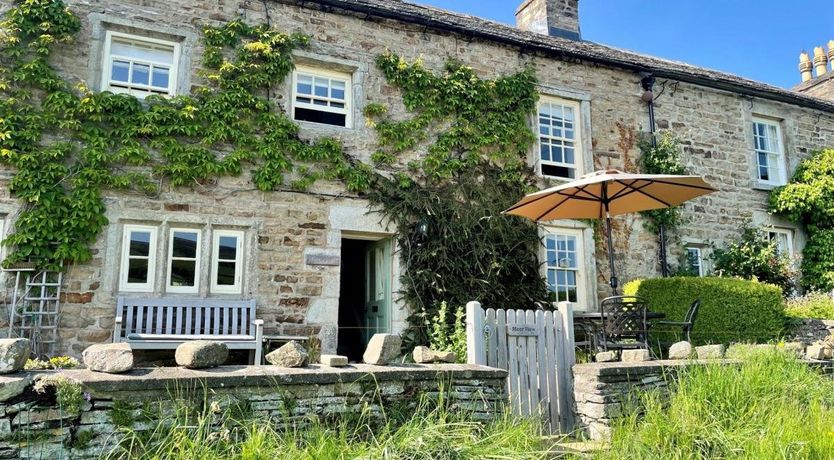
[604,391]
[33,426]
[289,234]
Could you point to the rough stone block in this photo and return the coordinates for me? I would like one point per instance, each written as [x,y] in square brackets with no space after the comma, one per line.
[680,350]
[425,355]
[13,354]
[13,386]
[334,360]
[815,352]
[382,349]
[606,356]
[710,351]
[291,354]
[635,356]
[797,348]
[112,358]
[201,354]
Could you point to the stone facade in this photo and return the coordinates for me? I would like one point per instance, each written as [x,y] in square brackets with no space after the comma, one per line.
[293,240]
[33,426]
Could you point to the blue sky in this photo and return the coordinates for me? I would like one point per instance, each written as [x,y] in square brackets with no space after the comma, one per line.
[758,39]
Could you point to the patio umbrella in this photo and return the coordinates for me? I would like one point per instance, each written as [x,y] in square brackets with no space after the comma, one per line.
[603,194]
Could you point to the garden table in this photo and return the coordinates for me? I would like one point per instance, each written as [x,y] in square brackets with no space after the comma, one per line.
[591,322]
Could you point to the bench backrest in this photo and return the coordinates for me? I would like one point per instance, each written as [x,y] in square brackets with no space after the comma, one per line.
[180,316]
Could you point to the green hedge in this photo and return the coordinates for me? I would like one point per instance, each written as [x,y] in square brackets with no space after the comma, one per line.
[732,310]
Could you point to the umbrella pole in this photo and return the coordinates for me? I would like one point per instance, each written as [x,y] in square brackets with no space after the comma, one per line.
[613,279]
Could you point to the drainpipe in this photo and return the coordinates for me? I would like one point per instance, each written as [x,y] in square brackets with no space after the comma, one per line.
[647,82]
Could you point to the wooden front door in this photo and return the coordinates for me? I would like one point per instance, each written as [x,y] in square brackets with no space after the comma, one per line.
[377,288]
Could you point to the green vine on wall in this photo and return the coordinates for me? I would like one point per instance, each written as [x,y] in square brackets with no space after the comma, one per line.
[477,137]
[68,143]
[808,200]
[454,164]
[662,158]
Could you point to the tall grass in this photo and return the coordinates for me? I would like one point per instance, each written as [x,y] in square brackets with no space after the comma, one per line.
[769,407]
[429,431]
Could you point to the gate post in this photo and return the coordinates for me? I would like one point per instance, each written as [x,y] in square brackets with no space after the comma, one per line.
[475,346]
[569,356]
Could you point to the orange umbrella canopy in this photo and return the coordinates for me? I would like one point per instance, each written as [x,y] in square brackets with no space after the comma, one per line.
[609,193]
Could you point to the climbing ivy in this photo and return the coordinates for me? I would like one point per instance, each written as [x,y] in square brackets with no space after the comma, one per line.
[453,163]
[663,157]
[807,200]
[67,144]
[455,244]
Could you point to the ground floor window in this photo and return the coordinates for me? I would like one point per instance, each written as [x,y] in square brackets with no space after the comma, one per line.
[783,237]
[564,265]
[695,260]
[184,259]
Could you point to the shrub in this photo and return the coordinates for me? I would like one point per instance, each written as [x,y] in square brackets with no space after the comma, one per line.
[818,261]
[448,334]
[750,411]
[817,305]
[731,309]
[755,257]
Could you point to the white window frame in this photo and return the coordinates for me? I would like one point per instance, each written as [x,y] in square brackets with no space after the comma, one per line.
[699,256]
[215,262]
[347,111]
[140,91]
[778,156]
[197,267]
[578,146]
[789,234]
[124,285]
[580,270]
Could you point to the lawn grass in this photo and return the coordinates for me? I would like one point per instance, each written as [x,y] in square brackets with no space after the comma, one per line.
[429,431]
[770,406]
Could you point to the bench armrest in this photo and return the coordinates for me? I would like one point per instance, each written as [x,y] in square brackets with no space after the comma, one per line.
[259,341]
[117,330]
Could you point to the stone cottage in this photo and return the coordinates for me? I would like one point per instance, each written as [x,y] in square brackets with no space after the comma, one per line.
[317,262]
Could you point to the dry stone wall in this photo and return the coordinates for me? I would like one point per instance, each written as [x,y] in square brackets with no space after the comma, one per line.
[34,426]
[294,239]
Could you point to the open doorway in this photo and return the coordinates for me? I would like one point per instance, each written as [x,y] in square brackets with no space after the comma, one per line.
[364,295]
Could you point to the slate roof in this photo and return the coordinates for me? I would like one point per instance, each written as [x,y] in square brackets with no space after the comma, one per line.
[560,48]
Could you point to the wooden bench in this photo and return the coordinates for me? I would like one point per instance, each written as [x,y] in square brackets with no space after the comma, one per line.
[160,324]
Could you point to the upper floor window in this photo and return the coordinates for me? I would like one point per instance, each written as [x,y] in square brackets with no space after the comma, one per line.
[769,152]
[560,149]
[783,237]
[139,66]
[138,258]
[695,260]
[564,265]
[321,96]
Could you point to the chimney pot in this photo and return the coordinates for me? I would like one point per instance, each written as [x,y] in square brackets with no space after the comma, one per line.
[820,61]
[805,67]
[557,18]
[831,53]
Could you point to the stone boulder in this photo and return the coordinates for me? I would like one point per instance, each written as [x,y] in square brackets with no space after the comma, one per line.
[13,354]
[710,351]
[382,349]
[201,354]
[680,350]
[111,358]
[815,352]
[793,348]
[605,357]
[334,360]
[425,355]
[635,356]
[291,354]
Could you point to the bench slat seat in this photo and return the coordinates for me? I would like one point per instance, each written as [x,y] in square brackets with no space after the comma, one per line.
[167,323]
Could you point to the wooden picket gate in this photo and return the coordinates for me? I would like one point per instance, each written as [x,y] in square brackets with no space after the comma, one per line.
[536,347]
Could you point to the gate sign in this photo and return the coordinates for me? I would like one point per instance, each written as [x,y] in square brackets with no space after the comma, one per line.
[523,330]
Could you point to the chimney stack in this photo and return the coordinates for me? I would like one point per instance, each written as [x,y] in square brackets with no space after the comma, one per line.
[557,18]
[805,67]
[820,61]
[831,53]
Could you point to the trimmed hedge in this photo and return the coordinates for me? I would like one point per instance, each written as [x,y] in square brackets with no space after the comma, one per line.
[732,310]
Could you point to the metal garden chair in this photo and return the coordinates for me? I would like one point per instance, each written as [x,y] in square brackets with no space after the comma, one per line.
[624,324]
[688,321]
